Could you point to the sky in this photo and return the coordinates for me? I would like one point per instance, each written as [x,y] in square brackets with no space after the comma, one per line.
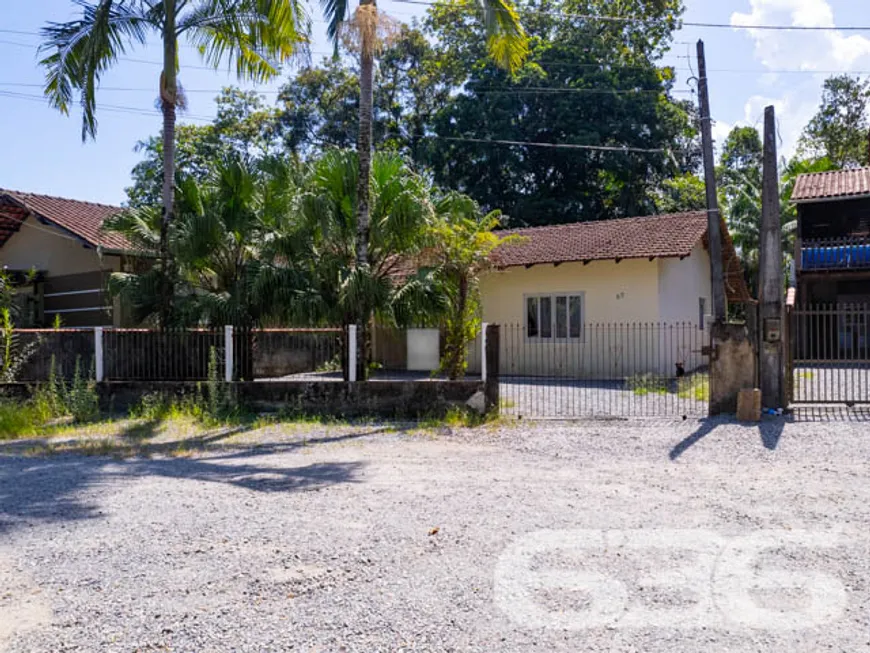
[748,70]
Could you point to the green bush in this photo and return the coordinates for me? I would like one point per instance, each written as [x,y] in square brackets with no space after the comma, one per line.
[644,384]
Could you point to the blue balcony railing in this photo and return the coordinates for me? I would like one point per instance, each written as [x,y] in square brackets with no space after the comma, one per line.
[836,254]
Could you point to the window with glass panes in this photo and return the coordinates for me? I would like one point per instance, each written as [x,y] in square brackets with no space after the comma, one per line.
[554,316]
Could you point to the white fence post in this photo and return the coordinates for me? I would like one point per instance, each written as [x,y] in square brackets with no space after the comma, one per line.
[351,353]
[228,353]
[99,369]
[483,351]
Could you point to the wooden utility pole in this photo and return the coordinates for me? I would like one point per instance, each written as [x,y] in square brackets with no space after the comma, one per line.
[770,280]
[714,232]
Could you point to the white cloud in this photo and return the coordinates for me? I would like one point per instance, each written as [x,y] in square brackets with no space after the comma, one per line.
[802,50]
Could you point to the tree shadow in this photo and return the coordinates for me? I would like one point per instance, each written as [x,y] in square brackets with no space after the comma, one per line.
[60,488]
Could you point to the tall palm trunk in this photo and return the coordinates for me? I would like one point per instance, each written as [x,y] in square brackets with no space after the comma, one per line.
[364,150]
[168,101]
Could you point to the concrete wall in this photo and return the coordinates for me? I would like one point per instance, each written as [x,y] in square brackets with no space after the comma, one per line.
[392,399]
[682,283]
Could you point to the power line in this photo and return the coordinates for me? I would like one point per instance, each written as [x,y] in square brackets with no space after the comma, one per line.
[643,21]
[559,146]
[112,108]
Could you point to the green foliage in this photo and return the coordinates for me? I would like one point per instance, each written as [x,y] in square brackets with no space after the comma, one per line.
[82,400]
[839,129]
[562,95]
[685,192]
[644,384]
[20,420]
[252,36]
[15,355]
[464,241]
[695,386]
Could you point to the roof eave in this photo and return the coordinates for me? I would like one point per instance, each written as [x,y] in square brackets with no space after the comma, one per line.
[835,198]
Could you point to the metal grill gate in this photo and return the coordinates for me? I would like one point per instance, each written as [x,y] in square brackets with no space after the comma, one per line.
[605,370]
[828,357]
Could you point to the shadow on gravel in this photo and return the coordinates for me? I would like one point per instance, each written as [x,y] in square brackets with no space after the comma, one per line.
[63,489]
[770,432]
[830,414]
[707,427]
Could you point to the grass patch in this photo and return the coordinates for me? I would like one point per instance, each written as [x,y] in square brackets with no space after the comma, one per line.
[645,384]
[695,387]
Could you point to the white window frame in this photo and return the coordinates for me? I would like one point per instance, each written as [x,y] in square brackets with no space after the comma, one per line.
[552,297]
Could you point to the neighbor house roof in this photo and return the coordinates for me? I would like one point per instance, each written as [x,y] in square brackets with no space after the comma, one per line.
[658,236]
[838,184]
[84,220]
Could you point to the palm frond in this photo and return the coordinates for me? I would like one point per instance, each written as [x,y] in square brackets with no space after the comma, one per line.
[80,51]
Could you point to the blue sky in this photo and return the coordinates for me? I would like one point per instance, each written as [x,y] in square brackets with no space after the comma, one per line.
[43,151]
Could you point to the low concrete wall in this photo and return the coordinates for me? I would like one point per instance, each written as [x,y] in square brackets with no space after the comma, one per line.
[394,399]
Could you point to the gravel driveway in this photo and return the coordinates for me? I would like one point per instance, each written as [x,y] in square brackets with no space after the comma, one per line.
[636,536]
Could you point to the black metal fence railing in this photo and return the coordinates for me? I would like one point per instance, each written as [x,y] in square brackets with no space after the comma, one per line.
[606,370]
[35,351]
[168,355]
[830,353]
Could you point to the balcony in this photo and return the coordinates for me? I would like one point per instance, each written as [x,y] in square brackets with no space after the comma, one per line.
[852,253]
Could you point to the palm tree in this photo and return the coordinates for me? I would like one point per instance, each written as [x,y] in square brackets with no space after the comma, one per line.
[507,45]
[253,36]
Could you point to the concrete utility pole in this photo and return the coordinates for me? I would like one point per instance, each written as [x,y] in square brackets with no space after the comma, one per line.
[714,234]
[770,282]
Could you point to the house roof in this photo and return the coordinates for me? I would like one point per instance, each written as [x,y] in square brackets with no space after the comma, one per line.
[838,184]
[658,236]
[84,220]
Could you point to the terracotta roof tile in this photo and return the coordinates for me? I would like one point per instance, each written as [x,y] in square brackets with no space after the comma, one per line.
[830,185]
[652,236]
[83,219]
[656,236]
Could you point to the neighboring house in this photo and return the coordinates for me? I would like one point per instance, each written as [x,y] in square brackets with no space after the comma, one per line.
[56,248]
[832,248]
[832,259]
[590,290]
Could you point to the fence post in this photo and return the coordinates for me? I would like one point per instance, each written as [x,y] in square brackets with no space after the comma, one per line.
[483,351]
[228,353]
[99,367]
[351,353]
[492,338]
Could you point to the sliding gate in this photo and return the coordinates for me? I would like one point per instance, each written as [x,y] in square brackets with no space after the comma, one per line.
[829,354]
[558,369]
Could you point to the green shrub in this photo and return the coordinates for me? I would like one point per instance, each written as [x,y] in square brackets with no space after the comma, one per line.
[644,384]
[19,420]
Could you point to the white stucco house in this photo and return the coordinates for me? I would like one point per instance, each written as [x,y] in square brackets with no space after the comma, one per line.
[57,248]
[606,298]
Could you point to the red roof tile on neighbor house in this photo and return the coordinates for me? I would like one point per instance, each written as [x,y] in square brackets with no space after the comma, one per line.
[82,219]
[838,184]
[655,236]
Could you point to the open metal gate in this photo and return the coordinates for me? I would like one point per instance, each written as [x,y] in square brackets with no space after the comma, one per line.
[828,357]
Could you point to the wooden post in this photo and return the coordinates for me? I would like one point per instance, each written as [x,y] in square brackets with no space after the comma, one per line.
[714,235]
[770,281]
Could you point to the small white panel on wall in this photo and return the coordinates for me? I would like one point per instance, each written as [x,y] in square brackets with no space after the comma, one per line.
[423,349]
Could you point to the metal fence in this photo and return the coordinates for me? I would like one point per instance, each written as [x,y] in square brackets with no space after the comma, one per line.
[829,353]
[606,370]
[179,355]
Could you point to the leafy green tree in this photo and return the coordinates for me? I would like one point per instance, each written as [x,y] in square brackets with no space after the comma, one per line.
[251,36]
[315,274]
[589,83]
[839,130]
[244,128]
[217,242]
[685,192]
[464,241]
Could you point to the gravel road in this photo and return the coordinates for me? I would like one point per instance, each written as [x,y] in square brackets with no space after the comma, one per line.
[630,536]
